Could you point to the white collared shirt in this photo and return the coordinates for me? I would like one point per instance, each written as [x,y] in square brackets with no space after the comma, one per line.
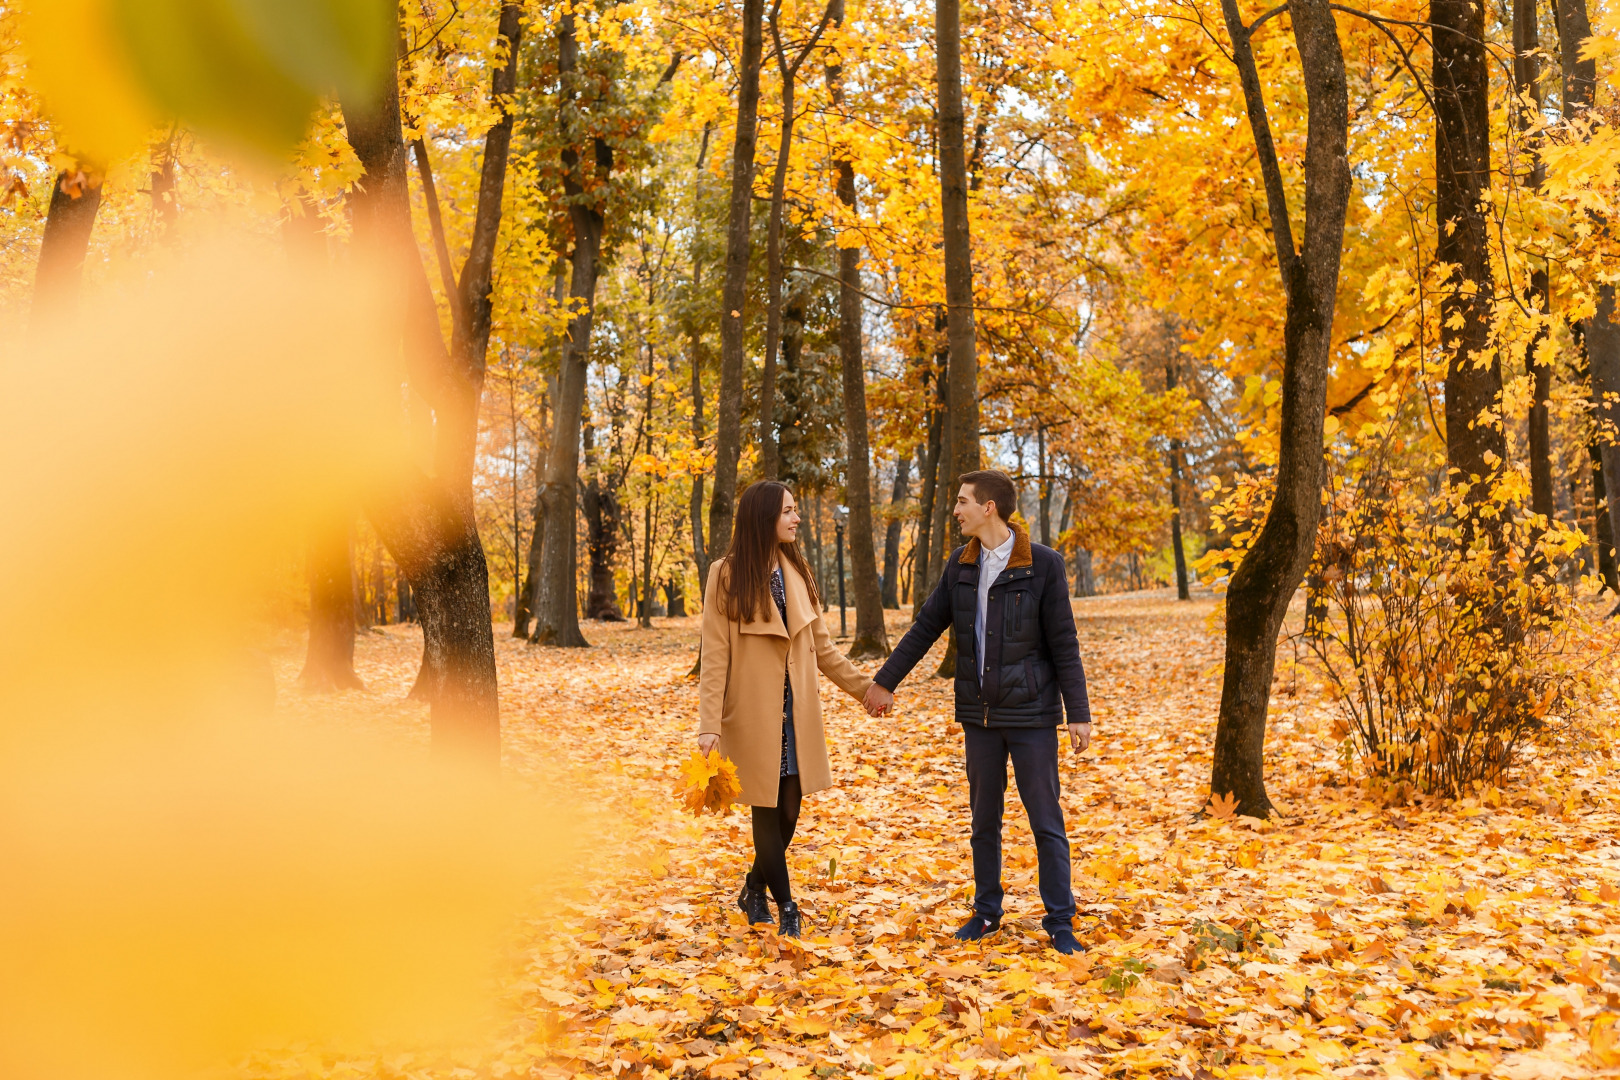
[992,561]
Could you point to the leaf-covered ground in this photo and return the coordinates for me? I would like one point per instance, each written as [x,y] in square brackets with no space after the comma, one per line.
[1343,938]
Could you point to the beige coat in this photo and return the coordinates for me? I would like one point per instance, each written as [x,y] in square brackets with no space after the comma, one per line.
[740,689]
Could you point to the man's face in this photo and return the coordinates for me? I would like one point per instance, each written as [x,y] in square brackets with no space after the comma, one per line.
[971,514]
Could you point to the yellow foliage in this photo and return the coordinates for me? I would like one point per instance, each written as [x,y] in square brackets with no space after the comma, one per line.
[709,783]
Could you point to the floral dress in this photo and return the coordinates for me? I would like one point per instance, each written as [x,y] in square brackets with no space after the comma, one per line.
[790,750]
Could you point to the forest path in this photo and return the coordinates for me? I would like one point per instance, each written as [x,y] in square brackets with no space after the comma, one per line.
[1341,938]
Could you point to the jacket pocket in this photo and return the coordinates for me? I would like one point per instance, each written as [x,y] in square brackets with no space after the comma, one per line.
[1030,679]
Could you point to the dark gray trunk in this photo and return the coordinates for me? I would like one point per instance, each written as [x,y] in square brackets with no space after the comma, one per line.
[1527,82]
[700,555]
[1603,533]
[1272,570]
[891,535]
[734,291]
[1602,339]
[1182,592]
[1043,486]
[428,522]
[604,517]
[963,378]
[871,638]
[1475,449]
[75,198]
[556,608]
[922,560]
[769,458]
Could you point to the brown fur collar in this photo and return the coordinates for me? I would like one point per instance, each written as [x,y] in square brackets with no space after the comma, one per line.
[1020,553]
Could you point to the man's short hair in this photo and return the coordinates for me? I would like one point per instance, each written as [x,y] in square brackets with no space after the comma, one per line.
[993,485]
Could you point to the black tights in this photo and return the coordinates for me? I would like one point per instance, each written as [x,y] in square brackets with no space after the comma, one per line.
[773,831]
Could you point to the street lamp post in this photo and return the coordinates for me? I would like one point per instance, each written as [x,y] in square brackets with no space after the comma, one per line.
[840,516]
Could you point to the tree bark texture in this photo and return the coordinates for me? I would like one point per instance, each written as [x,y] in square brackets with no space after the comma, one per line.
[1475,449]
[1182,592]
[556,607]
[1272,570]
[964,367]
[891,534]
[604,517]
[871,637]
[1602,532]
[700,554]
[75,198]
[922,559]
[734,291]
[1602,338]
[769,458]
[1527,83]
[427,522]
[329,658]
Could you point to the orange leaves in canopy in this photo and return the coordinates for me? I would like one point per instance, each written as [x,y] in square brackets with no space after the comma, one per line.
[709,782]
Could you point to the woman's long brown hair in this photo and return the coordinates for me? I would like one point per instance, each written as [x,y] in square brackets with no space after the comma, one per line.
[745,587]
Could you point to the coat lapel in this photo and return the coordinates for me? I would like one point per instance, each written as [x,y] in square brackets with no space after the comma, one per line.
[800,612]
[773,623]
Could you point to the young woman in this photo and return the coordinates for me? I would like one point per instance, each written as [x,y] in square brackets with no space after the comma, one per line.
[763,641]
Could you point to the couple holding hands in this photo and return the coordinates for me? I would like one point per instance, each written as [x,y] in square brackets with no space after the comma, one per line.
[1018,671]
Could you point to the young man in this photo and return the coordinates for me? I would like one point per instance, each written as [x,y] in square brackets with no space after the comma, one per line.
[1017,670]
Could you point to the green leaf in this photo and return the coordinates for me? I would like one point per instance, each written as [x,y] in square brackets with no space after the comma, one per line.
[251,71]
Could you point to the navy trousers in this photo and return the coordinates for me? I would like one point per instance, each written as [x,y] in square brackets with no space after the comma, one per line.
[1034,754]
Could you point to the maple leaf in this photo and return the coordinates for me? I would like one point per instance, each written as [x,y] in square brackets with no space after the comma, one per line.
[710,783]
[1223,807]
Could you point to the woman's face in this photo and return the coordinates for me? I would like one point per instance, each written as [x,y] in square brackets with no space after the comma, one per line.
[787,522]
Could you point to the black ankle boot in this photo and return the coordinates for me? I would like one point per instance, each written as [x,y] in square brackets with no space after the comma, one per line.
[754,904]
[790,919]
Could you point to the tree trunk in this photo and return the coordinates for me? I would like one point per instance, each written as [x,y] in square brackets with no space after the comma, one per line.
[1043,486]
[674,600]
[1085,583]
[891,535]
[648,587]
[75,198]
[329,659]
[700,555]
[922,558]
[524,612]
[871,637]
[1475,449]
[1602,339]
[603,519]
[1527,83]
[769,458]
[557,597]
[963,378]
[379,610]
[1270,573]
[1182,592]
[1603,533]
[428,522]
[734,292]
[1599,334]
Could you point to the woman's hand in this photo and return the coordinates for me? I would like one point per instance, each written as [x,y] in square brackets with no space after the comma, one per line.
[707,742]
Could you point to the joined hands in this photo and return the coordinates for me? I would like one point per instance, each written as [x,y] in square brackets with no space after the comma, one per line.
[877,700]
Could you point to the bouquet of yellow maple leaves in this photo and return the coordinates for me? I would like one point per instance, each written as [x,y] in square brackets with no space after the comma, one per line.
[708,782]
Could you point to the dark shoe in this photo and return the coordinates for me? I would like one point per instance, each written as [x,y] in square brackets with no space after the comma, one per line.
[754,904]
[977,927]
[1064,941]
[790,919]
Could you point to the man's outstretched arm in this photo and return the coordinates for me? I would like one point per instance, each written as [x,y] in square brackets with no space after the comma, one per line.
[932,620]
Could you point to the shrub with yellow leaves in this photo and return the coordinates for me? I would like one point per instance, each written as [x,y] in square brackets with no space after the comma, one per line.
[1444,627]
[708,782]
